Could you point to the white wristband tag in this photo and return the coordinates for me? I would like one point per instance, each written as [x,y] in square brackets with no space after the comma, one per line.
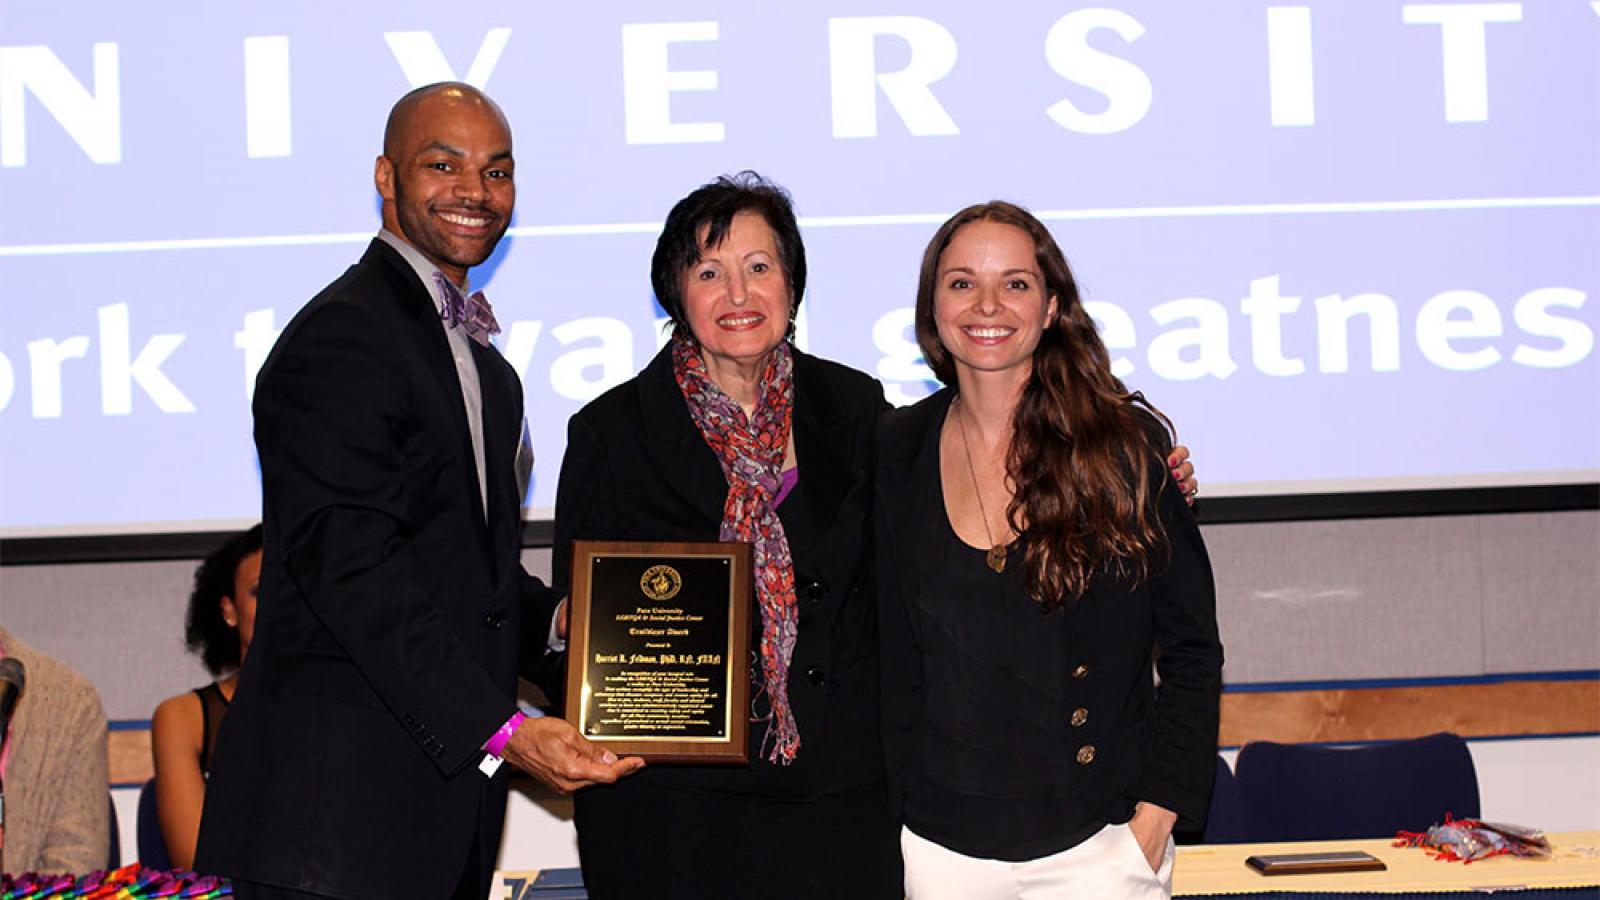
[489,765]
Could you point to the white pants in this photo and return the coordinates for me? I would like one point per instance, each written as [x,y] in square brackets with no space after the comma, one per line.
[1108,865]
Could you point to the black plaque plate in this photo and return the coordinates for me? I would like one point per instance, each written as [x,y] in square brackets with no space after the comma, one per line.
[658,658]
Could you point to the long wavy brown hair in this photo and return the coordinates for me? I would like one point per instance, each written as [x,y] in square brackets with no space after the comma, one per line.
[1082,444]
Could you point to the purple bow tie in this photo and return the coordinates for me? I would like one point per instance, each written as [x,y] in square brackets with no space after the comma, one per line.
[471,313]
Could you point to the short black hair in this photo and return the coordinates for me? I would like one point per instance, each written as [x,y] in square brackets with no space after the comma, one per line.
[712,206]
[204,630]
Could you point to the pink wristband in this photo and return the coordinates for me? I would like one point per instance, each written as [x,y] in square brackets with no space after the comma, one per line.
[497,744]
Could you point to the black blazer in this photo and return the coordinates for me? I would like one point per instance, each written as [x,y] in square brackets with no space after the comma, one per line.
[386,639]
[637,468]
[1149,745]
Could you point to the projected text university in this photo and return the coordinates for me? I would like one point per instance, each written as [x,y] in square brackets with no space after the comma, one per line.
[1455,330]
[90,110]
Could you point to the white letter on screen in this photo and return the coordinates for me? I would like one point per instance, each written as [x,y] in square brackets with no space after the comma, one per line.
[8,381]
[1289,73]
[613,356]
[45,357]
[901,362]
[1209,336]
[1436,328]
[648,82]
[853,69]
[1532,314]
[1126,86]
[1333,331]
[256,340]
[266,97]
[423,62]
[1116,332]
[94,120]
[117,374]
[1266,308]
[1466,63]
[521,338]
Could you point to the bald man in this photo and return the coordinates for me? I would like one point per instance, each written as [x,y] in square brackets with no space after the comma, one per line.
[360,756]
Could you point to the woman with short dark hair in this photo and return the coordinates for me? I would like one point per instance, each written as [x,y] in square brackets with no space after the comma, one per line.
[732,433]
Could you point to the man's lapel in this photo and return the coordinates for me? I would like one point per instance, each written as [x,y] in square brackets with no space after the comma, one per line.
[416,300]
[502,431]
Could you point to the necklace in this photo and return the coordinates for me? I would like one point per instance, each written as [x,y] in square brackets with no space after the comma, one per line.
[996,557]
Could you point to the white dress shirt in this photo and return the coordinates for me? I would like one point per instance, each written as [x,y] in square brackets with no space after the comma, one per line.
[460,350]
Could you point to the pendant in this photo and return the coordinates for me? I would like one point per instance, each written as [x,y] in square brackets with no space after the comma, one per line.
[996,557]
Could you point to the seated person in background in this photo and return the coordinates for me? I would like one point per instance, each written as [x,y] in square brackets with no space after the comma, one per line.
[222,612]
[57,814]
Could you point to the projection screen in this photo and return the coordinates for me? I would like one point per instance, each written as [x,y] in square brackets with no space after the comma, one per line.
[1345,246]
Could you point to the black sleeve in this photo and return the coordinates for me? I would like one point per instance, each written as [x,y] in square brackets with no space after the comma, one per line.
[1180,751]
[900,656]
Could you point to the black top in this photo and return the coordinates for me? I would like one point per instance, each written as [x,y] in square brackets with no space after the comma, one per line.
[637,468]
[990,655]
[212,707]
[1057,715]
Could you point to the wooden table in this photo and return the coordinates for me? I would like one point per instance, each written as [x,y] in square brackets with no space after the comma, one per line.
[1219,869]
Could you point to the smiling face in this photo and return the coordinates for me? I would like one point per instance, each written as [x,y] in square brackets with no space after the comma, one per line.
[446,177]
[990,302]
[736,297]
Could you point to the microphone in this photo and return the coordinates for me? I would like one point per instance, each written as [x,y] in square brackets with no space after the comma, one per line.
[12,677]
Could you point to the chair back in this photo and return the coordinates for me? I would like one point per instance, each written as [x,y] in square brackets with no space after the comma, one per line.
[152,846]
[1290,792]
[1225,820]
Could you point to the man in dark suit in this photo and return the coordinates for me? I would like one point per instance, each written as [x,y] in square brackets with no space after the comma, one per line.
[358,758]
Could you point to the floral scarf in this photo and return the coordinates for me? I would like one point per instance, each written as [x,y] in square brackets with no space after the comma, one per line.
[751,454]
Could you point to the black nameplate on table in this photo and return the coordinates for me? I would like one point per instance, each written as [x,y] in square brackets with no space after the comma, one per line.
[1309,863]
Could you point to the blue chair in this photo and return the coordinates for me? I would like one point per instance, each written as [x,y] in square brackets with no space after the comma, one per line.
[1291,792]
[152,846]
[1225,821]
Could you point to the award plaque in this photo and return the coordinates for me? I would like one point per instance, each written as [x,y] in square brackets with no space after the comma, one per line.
[658,657]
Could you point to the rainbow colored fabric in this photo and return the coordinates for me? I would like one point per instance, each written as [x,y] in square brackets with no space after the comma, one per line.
[132,882]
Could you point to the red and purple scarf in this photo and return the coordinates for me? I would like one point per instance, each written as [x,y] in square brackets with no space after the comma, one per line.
[751,453]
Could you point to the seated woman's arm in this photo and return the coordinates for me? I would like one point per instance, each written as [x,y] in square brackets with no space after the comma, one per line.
[176,732]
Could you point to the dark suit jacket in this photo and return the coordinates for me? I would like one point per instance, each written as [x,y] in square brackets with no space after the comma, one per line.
[386,639]
[637,469]
[1148,746]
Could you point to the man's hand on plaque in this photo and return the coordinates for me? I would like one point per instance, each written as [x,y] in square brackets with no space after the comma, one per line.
[561,617]
[553,751]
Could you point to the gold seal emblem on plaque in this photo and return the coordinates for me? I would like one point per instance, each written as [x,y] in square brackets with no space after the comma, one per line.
[660,583]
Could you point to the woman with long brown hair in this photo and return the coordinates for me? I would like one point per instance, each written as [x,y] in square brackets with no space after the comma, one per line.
[1032,558]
